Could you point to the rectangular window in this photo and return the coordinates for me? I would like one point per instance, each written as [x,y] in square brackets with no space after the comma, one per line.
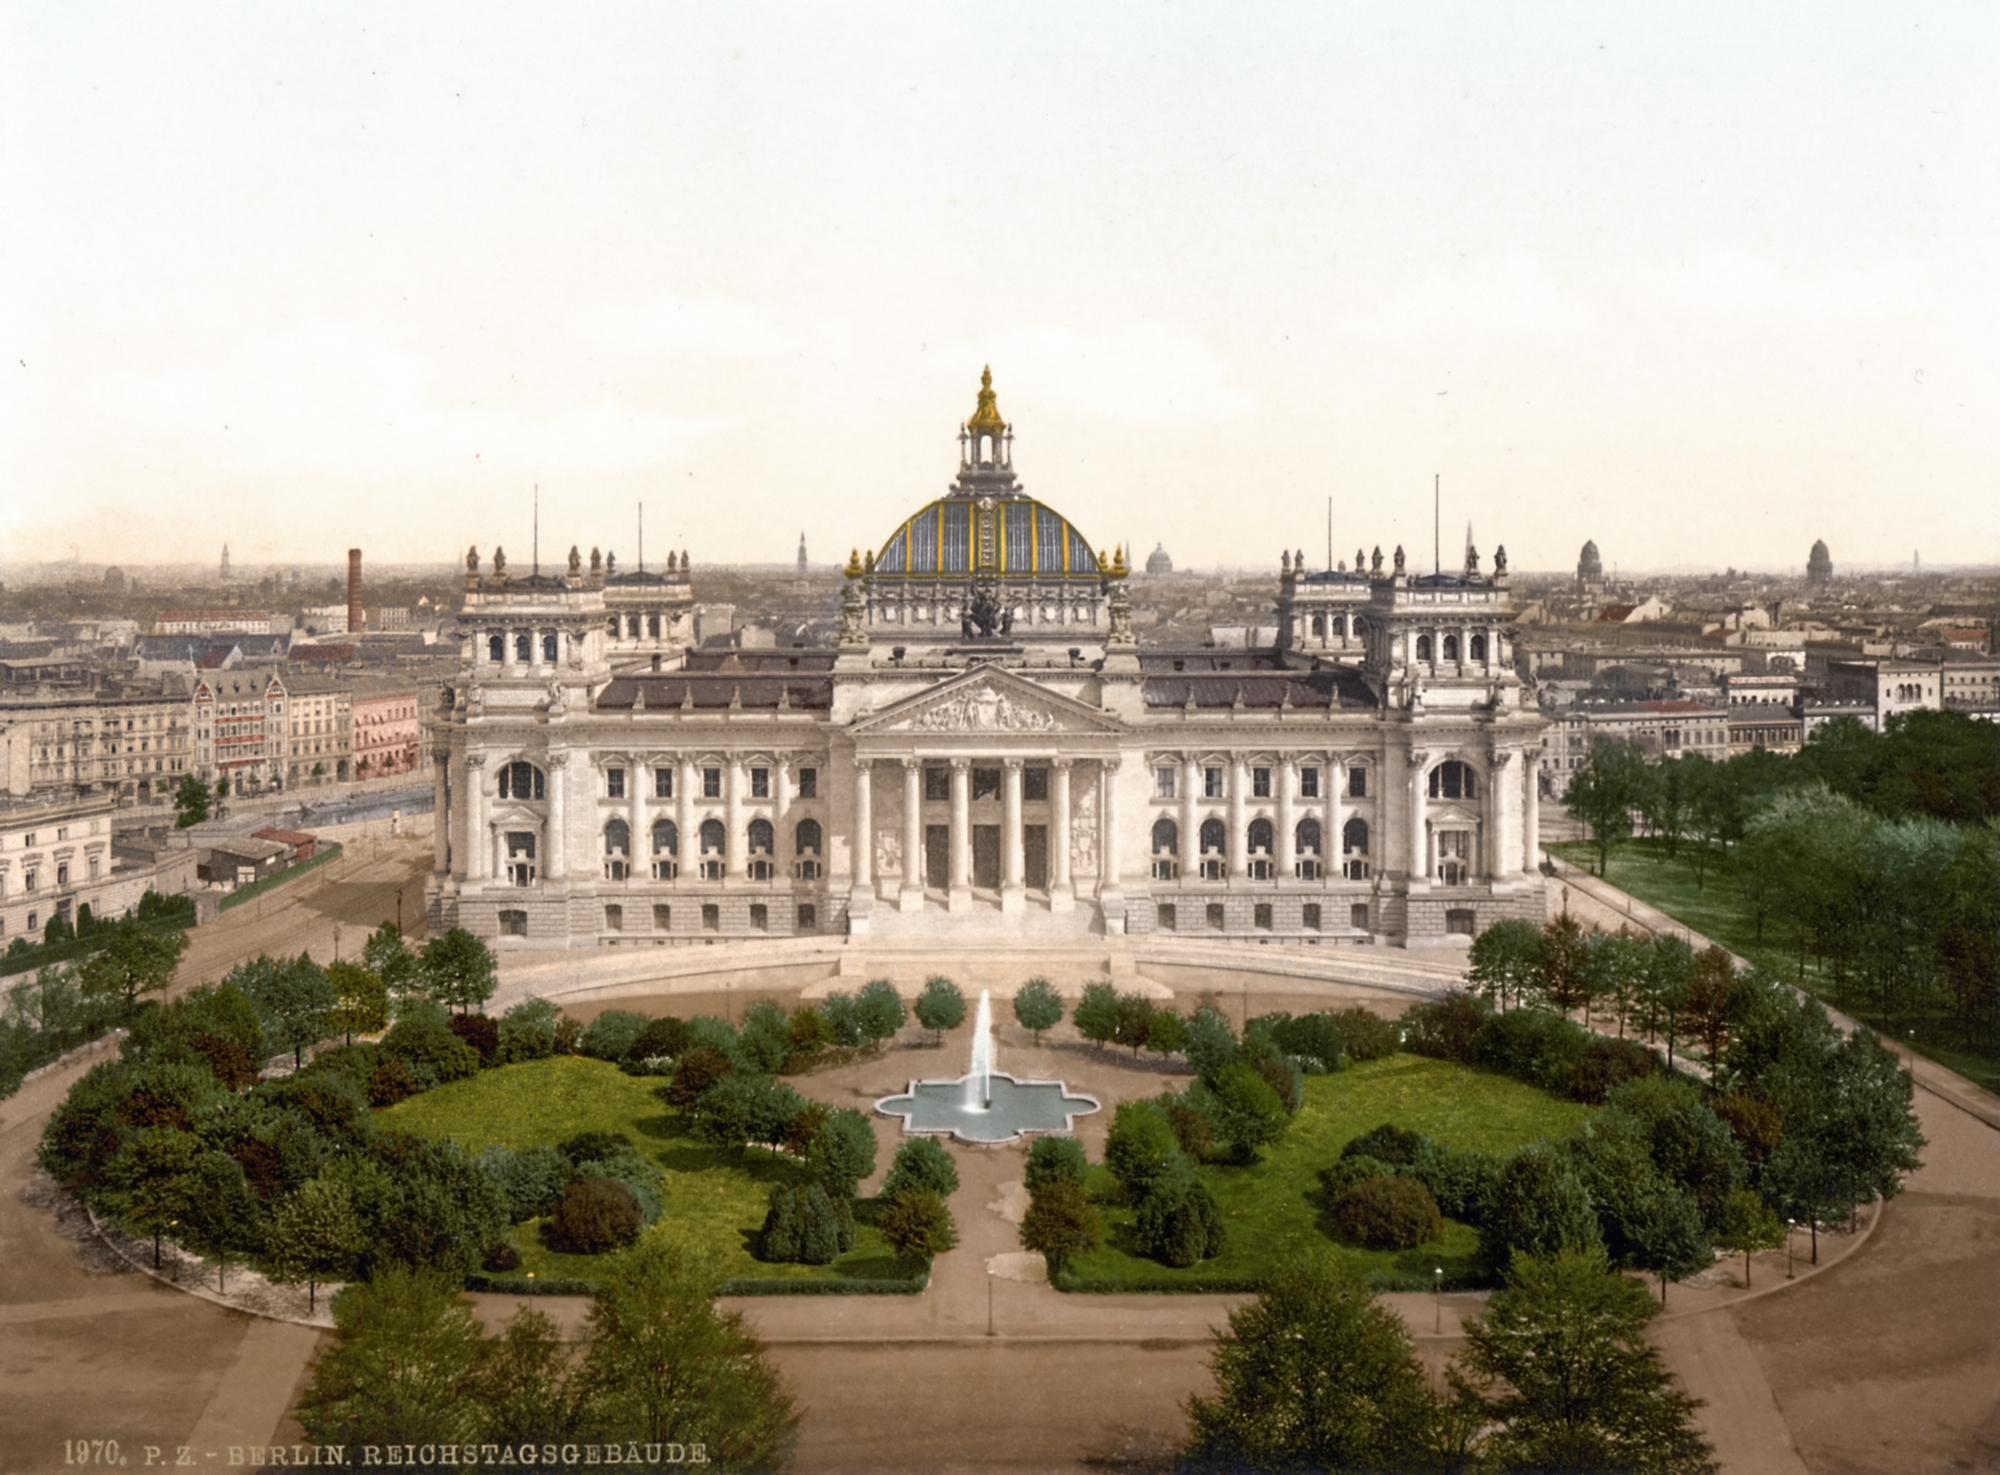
[760,783]
[711,917]
[1357,783]
[808,783]
[1309,916]
[1211,783]
[1035,785]
[937,783]
[1260,916]
[1260,783]
[1163,783]
[1308,783]
[1215,916]
[663,783]
[1165,868]
[614,918]
[711,783]
[1357,915]
[513,924]
[760,917]
[986,783]
[663,917]
[62,873]
[614,783]
[1167,919]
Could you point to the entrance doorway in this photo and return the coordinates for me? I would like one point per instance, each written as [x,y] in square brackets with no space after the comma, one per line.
[1035,854]
[986,857]
[937,856]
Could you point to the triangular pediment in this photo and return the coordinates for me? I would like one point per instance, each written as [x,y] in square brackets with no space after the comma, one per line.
[988,701]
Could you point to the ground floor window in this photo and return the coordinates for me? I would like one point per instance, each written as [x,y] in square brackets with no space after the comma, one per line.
[1357,915]
[1215,918]
[1260,916]
[663,917]
[1310,916]
[808,917]
[711,917]
[614,918]
[1168,923]
[1459,921]
[513,924]
[760,917]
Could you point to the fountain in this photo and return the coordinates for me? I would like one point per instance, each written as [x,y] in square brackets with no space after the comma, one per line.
[986,1105]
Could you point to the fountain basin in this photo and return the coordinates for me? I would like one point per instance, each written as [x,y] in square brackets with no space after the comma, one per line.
[1014,1107]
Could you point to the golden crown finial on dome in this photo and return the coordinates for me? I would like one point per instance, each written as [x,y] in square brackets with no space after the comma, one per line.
[986,419]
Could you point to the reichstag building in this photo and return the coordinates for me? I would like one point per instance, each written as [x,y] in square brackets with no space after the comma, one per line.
[987,751]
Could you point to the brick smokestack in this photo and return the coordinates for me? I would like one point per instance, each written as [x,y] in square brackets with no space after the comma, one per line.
[354,591]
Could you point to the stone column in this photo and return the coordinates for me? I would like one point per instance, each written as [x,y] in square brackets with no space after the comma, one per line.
[734,842]
[441,808]
[1286,851]
[1013,856]
[554,864]
[1418,866]
[784,849]
[1061,891]
[1499,803]
[1531,821]
[864,827]
[1107,819]
[639,847]
[1335,800]
[478,852]
[1190,820]
[911,899]
[961,834]
[1239,840]
[685,778]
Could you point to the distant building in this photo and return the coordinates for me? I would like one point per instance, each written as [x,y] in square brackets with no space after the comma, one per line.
[128,745]
[240,728]
[226,575]
[114,579]
[386,732]
[1892,686]
[213,622]
[321,729]
[1158,562]
[802,555]
[1589,569]
[1765,725]
[1819,566]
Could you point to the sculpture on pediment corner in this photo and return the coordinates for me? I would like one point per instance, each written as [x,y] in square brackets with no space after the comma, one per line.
[499,562]
[853,626]
[575,562]
[472,559]
[1400,568]
[1121,632]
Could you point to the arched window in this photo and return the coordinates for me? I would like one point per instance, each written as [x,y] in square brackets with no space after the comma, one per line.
[1166,836]
[1479,647]
[1308,836]
[617,838]
[1319,625]
[653,627]
[611,626]
[666,837]
[549,647]
[524,648]
[1452,780]
[632,626]
[1451,647]
[496,648]
[760,836]
[1213,836]
[1260,837]
[521,780]
[807,837]
[711,837]
[1354,838]
[1423,647]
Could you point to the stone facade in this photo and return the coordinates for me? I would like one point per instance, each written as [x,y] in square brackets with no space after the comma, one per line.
[986,751]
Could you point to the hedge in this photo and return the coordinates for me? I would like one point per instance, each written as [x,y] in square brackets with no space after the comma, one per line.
[527,1285]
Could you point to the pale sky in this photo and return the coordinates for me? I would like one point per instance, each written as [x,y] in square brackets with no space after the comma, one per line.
[1700,283]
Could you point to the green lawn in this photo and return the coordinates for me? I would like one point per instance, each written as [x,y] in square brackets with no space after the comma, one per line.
[1640,866]
[711,1198]
[1267,1206]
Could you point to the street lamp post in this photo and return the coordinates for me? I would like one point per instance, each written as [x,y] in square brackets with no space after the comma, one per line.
[399,911]
[1790,1225]
[1437,1282]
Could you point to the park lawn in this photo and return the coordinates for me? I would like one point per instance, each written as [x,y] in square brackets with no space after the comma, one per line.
[1267,1207]
[1640,866]
[712,1198]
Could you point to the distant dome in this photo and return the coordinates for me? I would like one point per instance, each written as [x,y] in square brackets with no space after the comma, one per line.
[1589,565]
[1158,561]
[114,578]
[1819,566]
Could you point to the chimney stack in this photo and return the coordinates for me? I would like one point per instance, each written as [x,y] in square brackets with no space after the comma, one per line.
[354,591]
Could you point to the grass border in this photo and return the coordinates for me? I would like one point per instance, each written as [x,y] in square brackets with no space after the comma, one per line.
[328,850]
[524,1285]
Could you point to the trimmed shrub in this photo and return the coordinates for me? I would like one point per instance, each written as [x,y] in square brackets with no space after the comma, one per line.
[1345,1173]
[1061,1223]
[501,1257]
[1140,1147]
[1178,1223]
[1532,1045]
[921,1162]
[533,1178]
[1053,1160]
[423,1041]
[1242,1108]
[765,1040]
[805,1225]
[807,1034]
[1368,1035]
[1537,1205]
[481,1033]
[1387,1143]
[1389,1212]
[917,1225]
[1460,1179]
[611,1035]
[528,1031]
[699,1068]
[1190,1123]
[666,1038]
[1444,1028]
[1316,1041]
[842,1150]
[390,1083]
[1609,1064]
[594,1216]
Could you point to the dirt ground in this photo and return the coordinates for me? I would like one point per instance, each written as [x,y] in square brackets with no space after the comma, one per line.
[1888,1361]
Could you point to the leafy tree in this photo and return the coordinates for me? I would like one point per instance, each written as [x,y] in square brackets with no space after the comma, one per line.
[316,1235]
[1178,1223]
[1211,1042]
[192,801]
[1445,1028]
[805,1225]
[666,1038]
[459,971]
[1166,1033]
[940,1006]
[222,1217]
[532,1178]
[1664,990]
[1096,1014]
[766,1037]
[1135,1021]
[611,1035]
[1748,1225]
[296,999]
[1061,1222]
[1140,1147]
[1365,1034]
[523,1385]
[1315,1375]
[1389,1212]
[842,1151]
[594,1216]
[1564,972]
[1505,961]
[1053,1158]
[1537,1205]
[1605,791]
[1244,1110]
[663,1364]
[1668,1237]
[917,1225]
[362,1000]
[440,1208]
[1614,968]
[741,1108]
[1711,1000]
[528,1031]
[387,956]
[697,1070]
[1668,800]
[878,1011]
[150,1185]
[422,1039]
[1038,1006]
[407,1349]
[1561,1363]
[139,959]
[921,1162]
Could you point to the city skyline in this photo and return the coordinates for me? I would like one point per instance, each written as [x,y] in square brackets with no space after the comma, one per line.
[1708,287]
